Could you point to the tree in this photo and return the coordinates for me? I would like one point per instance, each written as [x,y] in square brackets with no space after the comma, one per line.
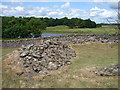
[14,27]
[65,21]
[35,26]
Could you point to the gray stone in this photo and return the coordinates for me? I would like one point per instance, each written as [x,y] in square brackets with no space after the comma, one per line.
[49,56]
[23,54]
[35,55]
[68,63]
[112,70]
[52,66]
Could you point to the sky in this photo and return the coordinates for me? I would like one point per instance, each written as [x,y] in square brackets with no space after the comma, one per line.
[100,12]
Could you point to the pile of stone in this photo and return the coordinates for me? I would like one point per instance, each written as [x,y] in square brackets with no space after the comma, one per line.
[46,56]
[113,70]
[71,39]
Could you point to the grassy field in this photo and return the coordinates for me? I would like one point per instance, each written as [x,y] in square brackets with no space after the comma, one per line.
[105,29]
[77,75]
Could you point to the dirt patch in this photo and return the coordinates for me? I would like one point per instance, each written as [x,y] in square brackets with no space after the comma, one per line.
[12,63]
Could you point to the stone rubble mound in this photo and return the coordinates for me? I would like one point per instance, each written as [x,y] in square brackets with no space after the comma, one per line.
[46,56]
[113,70]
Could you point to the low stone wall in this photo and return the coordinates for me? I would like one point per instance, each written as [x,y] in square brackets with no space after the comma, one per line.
[70,39]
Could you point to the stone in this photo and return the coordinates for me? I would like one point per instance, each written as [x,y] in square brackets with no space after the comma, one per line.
[68,63]
[52,66]
[35,55]
[48,56]
[29,46]
[113,70]
[47,42]
[23,54]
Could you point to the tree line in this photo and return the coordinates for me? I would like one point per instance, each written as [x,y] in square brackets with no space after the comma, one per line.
[72,23]
[24,27]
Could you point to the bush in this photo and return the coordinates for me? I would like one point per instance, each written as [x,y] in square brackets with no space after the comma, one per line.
[99,25]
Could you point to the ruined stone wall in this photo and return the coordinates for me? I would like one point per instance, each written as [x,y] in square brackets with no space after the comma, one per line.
[71,39]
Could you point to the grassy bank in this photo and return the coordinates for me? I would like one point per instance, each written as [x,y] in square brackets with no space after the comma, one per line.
[77,75]
[105,29]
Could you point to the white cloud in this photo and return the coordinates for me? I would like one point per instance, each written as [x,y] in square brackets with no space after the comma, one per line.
[3,6]
[94,9]
[107,13]
[55,7]
[66,5]
[19,8]
[98,14]
[55,12]
[103,13]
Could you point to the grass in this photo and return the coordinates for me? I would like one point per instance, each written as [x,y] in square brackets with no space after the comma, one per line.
[77,75]
[13,38]
[105,29]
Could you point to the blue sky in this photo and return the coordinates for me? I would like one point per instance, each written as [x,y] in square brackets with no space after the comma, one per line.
[83,5]
[97,11]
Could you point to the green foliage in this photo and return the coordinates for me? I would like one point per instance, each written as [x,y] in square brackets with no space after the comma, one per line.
[99,25]
[35,26]
[72,23]
[14,27]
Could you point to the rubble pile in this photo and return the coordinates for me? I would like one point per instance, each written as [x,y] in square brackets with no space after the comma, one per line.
[46,56]
[113,70]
